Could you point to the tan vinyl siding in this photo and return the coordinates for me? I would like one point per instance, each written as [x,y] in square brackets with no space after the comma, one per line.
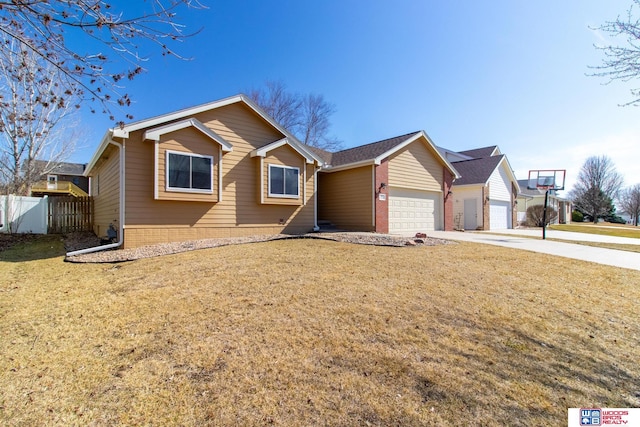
[188,141]
[239,213]
[346,198]
[416,167]
[282,156]
[105,187]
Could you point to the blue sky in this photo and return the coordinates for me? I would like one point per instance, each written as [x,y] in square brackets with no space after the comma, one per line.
[469,73]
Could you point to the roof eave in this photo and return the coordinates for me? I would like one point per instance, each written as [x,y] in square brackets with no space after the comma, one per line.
[262,151]
[330,168]
[104,143]
[410,140]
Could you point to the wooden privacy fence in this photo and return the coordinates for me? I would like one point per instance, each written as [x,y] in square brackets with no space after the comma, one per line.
[69,214]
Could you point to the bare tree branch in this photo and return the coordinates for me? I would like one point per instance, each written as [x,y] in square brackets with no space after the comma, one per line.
[45,27]
[622,62]
[629,202]
[305,116]
[33,108]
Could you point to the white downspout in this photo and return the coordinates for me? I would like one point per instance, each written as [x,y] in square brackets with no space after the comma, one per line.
[315,199]
[121,219]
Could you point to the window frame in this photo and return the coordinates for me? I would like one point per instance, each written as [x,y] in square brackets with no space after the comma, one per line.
[284,196]
[168,188]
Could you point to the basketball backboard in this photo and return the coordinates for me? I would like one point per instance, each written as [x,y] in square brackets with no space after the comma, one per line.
[546,179]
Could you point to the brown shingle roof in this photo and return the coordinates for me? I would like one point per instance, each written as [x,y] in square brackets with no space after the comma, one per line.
[324,155]
[476,171]
[368,151]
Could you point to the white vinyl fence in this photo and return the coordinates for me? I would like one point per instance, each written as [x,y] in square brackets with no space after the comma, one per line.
[20,214]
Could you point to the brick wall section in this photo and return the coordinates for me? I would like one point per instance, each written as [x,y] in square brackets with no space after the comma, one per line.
[486,209]
[447,183]
[382,206]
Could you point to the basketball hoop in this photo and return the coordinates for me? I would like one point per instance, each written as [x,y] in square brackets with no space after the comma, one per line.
[546,180]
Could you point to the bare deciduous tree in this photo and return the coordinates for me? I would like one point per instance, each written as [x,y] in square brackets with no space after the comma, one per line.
[281,105]
[622,62]
[597,185]
[629,202]
[315,125]
[33,111]
[305,116]
[49,28]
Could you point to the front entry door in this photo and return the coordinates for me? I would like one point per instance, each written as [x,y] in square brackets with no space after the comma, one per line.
[470,214]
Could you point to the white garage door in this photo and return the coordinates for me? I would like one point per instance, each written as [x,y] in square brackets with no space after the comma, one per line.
[413,211]
[500,215]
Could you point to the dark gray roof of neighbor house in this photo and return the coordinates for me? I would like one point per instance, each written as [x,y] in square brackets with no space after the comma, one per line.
[62,168]
[368,151]
[524,188]
[478,153]
[476,171]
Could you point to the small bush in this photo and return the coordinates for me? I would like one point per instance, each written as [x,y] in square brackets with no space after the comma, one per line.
[535,214]
[576,216]
[615,219]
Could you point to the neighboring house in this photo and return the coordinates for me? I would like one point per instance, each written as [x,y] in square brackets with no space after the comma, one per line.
[398,185]
[221,169]
[484,197]
[530,197]
[63,179]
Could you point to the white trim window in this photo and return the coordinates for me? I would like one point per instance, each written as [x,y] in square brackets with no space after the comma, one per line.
[284,181]
[192,173]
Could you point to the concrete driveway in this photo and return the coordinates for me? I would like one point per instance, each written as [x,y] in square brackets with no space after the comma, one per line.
[522,239]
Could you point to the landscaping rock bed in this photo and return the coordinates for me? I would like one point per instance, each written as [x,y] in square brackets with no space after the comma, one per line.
[78,241]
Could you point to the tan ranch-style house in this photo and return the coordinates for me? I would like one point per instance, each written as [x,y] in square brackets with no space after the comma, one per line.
[226,169]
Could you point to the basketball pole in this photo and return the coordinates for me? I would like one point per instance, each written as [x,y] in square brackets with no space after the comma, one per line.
[544,215]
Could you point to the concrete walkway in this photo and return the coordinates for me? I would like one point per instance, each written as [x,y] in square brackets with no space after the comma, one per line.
[567,235]
[516,239]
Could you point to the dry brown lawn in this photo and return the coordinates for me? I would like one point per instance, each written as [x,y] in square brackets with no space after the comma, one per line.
[310,332]
[605,229]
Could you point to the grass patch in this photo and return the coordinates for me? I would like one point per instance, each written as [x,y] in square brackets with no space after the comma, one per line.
[310,332]
[617,230]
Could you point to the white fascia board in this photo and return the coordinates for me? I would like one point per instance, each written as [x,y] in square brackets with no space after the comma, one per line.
[422,133]
[124,131]
[106,139]
[510,172]
[155,133]
[445,152]
[262,151]
[361,163]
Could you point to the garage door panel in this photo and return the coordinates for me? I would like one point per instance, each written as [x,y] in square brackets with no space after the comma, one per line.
[412,211]
[499,215]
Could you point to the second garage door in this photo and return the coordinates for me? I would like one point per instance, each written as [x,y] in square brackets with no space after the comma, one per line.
[413,211]
[499,215]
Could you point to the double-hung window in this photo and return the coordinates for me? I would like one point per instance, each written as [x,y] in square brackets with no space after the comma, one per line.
[189,172]
[284,181]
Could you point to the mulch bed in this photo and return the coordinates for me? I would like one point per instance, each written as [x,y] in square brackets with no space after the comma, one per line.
[78,241]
